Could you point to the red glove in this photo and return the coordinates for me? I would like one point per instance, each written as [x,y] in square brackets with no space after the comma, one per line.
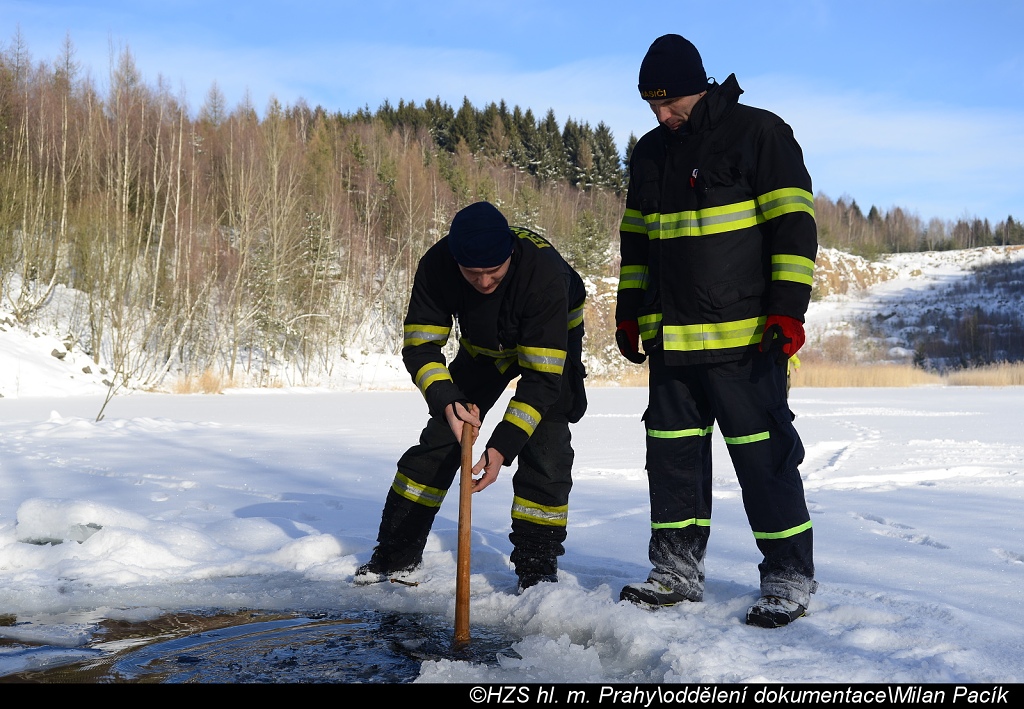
[627,337]
[783,337]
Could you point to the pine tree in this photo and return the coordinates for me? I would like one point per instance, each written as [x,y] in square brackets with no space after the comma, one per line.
[630,144]
[386,114]
[607,166]
[552,161]
[409,116]
[465,126]
[523,140]
[579,156]
[1011,231]
[440,118]
[494,138]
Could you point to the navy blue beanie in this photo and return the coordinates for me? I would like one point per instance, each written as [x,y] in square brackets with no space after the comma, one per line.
[479,236]
[671,68]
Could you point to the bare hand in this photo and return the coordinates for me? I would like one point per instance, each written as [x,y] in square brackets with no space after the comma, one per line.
[458,415]
[489,465]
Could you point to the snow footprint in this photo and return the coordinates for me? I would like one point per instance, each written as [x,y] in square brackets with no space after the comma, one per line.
[1010,557]
[896,530]
[839,452]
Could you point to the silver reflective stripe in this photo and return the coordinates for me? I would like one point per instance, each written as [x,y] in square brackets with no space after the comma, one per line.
[528,511]
[788,267]
[576,316]
[430,373]
[421,334]
[542,359]
[415,492]
[633,221]
[522,415]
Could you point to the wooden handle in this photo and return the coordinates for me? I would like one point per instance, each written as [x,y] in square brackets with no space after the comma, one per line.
[465,527]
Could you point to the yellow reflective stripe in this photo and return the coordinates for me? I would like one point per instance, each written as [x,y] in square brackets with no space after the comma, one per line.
[752,438]
[542,359]
[728,217]
[785,201]
[634,277]
[430,373]
[704,222]
[522,415]
[648,325]
[474,350]
[684,523]
[791,532]
[415,492]
[681,433]
[539,359]
[539,514]
[576,316]
[789,267]
[509,354]
[713,336]
[421,334]
[633,221]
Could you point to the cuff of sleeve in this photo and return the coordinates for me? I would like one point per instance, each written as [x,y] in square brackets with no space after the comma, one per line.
[440,394]
[508,440]
[790,300]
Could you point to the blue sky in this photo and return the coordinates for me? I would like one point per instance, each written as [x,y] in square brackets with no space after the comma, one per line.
[915,103]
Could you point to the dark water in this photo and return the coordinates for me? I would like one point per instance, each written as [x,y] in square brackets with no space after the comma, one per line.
[248,647]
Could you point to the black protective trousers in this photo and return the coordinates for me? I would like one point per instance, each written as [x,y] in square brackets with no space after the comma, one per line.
[747,400]
[543,477]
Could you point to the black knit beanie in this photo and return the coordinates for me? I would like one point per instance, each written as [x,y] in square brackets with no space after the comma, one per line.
[479,236]
[671,68]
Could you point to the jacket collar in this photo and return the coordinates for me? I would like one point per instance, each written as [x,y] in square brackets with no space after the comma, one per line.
[715,106]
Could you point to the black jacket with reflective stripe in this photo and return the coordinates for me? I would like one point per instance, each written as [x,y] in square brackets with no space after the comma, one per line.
[718,231]
[532,325]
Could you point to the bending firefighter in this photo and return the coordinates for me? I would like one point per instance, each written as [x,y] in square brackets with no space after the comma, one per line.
[519,310]
[718,243]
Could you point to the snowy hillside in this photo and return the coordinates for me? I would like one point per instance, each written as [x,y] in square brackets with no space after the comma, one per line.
[890,295]
[901,305]
[36,362]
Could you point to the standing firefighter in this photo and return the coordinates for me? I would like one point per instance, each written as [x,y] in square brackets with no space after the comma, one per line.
[519,308]
[718,244]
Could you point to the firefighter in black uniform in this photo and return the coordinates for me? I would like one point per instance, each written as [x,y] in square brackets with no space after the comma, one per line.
[718,244]
[519,310]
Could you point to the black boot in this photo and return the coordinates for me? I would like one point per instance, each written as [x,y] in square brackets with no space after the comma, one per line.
[378,569]
[404,527]
[653,594]
[774,612]
[534,569]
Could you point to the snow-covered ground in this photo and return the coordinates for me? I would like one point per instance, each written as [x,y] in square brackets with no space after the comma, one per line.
[271,499]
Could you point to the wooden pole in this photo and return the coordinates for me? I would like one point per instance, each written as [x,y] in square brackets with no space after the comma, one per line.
[465,527]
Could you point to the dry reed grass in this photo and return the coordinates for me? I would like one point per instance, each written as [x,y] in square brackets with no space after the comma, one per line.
[207,382]
[827,374]
[997,375]
[633,377]
[815,374]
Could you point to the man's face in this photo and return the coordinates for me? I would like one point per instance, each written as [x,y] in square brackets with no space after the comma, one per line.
[486,280]
[674,112]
